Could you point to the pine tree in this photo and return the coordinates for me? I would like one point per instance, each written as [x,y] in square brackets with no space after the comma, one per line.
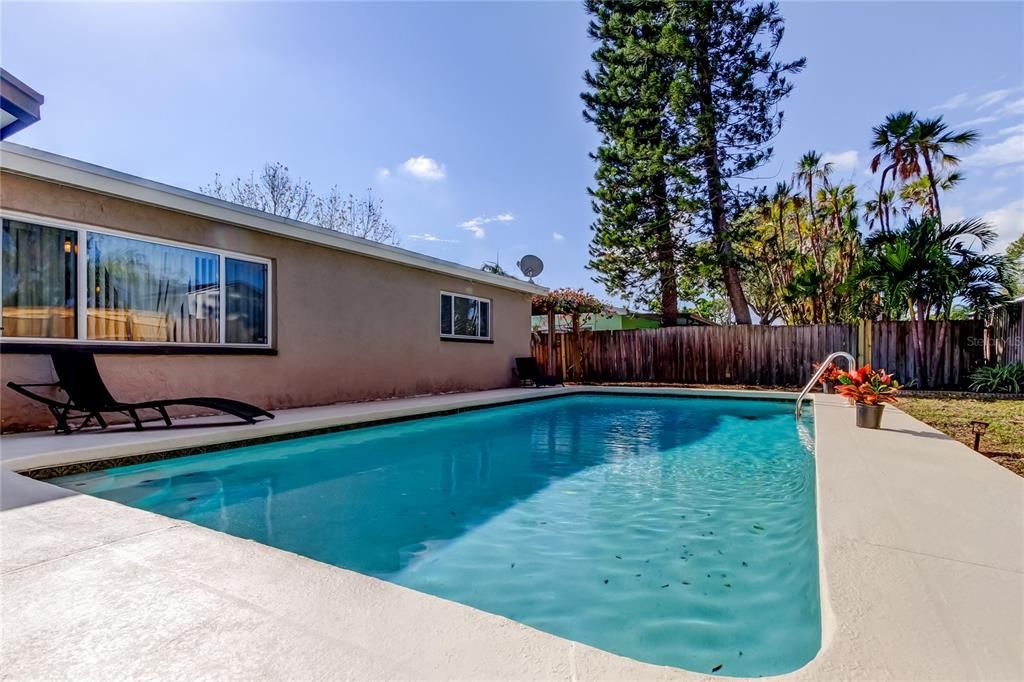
[641,195]
[725,101]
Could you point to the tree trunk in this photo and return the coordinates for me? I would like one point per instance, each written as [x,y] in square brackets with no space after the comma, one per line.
[935,364]
[918,330]
[668,280]
[934,186]
[708,129]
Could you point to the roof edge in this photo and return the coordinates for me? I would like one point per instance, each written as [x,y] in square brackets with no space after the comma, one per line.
[43,165]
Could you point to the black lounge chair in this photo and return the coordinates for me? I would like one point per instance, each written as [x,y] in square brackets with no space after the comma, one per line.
[88,397]
[529,373]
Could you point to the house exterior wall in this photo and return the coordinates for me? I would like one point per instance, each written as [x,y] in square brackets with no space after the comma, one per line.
[346,327]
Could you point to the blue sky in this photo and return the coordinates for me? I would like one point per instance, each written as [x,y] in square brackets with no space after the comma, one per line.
[465,117]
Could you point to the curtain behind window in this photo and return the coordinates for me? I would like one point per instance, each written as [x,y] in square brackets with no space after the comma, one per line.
[140,291]
[39,280]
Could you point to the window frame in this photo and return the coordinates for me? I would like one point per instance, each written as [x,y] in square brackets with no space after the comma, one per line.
[463,337]
[81,300]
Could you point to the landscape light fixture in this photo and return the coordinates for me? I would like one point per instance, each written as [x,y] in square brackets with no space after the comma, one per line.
[978,429]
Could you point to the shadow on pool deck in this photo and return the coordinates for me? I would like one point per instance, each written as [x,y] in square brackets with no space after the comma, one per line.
[920,433]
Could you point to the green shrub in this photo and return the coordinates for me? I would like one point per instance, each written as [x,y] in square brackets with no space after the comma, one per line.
[1005,379]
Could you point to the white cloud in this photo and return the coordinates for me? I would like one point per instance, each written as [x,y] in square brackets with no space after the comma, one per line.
[383,174]
[1008,221]
[476,225]
[953,102]
[1014,107]
[842,161]
[994,97]
[427,237]
[1012,130]
[557,236]
[1010,150]
[1007,172]
[952,214]
[979,121]
[424,168]
[990,192]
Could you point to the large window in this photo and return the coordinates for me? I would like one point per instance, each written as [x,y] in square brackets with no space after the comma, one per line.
[465,317]
[125,289]
[141,291]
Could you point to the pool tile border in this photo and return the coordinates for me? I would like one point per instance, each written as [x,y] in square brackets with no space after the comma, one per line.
[88,466]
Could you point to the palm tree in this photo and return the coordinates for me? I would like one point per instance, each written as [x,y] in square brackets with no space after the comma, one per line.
[780,202]
[808,169]
[880,208]
[921,269]
[920,192]
[892,140]
[933,140]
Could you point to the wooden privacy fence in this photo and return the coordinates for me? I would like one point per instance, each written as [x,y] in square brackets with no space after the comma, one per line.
[1005,340]
[774,356]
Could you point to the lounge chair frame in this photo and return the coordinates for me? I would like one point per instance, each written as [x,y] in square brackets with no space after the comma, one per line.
[529,373]
[88,398]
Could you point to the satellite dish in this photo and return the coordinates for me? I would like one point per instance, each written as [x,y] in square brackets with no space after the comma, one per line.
[531,266]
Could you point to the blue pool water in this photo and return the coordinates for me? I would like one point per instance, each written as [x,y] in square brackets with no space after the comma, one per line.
[676,531]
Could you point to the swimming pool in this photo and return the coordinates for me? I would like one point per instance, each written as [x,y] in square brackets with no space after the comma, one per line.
[678,531]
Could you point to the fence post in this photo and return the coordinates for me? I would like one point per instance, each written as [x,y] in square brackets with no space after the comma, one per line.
[551,343]
[865,342]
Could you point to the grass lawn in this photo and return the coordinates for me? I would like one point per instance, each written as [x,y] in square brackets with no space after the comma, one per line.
[1004,440]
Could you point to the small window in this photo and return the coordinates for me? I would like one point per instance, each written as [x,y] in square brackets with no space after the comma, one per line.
[246,304]
[465,317]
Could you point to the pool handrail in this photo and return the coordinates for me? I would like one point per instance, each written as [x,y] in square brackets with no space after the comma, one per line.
[821,370]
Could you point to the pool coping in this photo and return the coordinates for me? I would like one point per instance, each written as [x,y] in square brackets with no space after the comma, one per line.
[920,557]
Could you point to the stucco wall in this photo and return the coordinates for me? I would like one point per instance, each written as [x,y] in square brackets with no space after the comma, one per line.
[346,327]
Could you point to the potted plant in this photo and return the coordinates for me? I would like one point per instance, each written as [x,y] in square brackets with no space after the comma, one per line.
[829,378]
[870,390]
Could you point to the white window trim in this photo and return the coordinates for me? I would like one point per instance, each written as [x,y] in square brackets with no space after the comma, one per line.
[490,317]
[82,276]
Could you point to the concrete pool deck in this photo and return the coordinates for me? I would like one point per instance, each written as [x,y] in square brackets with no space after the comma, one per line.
[921,541]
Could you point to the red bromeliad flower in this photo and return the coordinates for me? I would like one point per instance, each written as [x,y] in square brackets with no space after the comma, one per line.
[867,386]
[831,373]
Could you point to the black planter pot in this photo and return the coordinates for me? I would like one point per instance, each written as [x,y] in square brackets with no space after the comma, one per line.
[869,416]
[829,387]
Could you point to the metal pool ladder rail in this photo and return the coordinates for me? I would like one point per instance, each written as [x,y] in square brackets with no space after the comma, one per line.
[821,370]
